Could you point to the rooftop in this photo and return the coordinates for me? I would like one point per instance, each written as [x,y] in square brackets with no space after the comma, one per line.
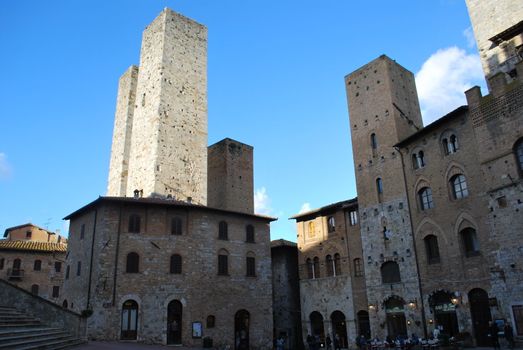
[25,225]
[327,209]
[33,246]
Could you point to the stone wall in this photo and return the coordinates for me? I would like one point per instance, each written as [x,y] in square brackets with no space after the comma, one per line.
[230,176]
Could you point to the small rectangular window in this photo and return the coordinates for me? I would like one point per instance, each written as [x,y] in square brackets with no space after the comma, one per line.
[331,224]
[79,268]
[67,272]
[56,291]
[57,266]
[223,268]
[251,267]
[28,234]
[353,217]
[82,231]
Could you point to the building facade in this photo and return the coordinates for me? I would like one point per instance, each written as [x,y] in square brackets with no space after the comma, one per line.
[332,288]
[34,259]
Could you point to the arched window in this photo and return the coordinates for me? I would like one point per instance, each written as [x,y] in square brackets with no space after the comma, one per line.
[310,269]
[421,159]
[331,224]
[176,226]
[337,264]
[223,230]
[223,262]
[250,262]
[176,264]
[459,186]
[379,189]
[316,267]
[134,223]
[329,263]
[34,289]
[425,198]
[358,268]
[373,141]
[38,265]
[518,152]
[390,272]
[211,321]
[470,243]
[453,144]
[133,263]
[415,163]
[432,249]
[249,234]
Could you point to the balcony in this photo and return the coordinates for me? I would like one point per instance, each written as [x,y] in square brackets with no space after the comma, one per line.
[15,274]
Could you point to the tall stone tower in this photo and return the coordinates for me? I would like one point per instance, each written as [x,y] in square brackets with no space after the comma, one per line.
[498,28]
[230,177]
[384,109]
[162,111]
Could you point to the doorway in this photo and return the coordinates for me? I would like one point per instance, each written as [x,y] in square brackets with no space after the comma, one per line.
[129,320]
[174,323]
[480,314]
[339,327]
[444,312]
[317,325]
[396,321]
[241,330]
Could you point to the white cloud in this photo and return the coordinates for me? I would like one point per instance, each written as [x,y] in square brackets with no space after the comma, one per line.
[305,208]
[469,35]
[262,202]
[5,167]
[443,79]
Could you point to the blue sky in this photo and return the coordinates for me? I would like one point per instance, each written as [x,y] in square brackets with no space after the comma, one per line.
[275,75]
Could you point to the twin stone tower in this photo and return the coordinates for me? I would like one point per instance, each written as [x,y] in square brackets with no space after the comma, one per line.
[159,144]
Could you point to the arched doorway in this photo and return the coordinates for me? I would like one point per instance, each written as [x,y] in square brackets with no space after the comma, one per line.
[241,330]
[317,325]
[174,322]
[363,323]
[480,314]
[444,312]
[339,327]
[129,320]
[396,322]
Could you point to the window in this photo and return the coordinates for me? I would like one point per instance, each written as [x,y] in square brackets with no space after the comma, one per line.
[28,234]
[134,223]
[310,269]
[331,224]
[316,266]
[176,264]
[425,198]
[2,262]
[222,230]
[312,228]
[56,291]
[37,265]
[57,266]
[82,231]
[176,226]
[133,263]
[379,189]
[432,249]
[337,264]
[78,268]
[373,141]
[518,152]
[459,186]
[223,263]
[249,234]
[251,266]
[418,160]
[390,272]
[353,217]
[470,242]
[211,321]
[415,163]
[34,289]
[358,268]
[67,272]
[450,144]
[329,262]
[64,304]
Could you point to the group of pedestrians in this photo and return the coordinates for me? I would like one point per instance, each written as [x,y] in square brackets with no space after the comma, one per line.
[314,342]
[494,335]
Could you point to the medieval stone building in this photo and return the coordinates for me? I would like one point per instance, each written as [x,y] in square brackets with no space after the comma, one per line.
[174,254]
[33,258]
[438,205]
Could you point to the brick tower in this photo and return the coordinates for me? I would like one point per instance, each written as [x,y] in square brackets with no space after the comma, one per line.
[384,109]
[160,135]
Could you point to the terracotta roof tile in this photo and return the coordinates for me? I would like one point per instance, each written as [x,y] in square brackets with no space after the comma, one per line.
[33,246]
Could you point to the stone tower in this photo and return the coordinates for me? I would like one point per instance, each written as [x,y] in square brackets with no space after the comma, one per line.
[163,106]
[498,28]
[384,109]
[230,177]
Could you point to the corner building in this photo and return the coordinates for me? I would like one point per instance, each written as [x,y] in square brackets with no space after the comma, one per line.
[155,261]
